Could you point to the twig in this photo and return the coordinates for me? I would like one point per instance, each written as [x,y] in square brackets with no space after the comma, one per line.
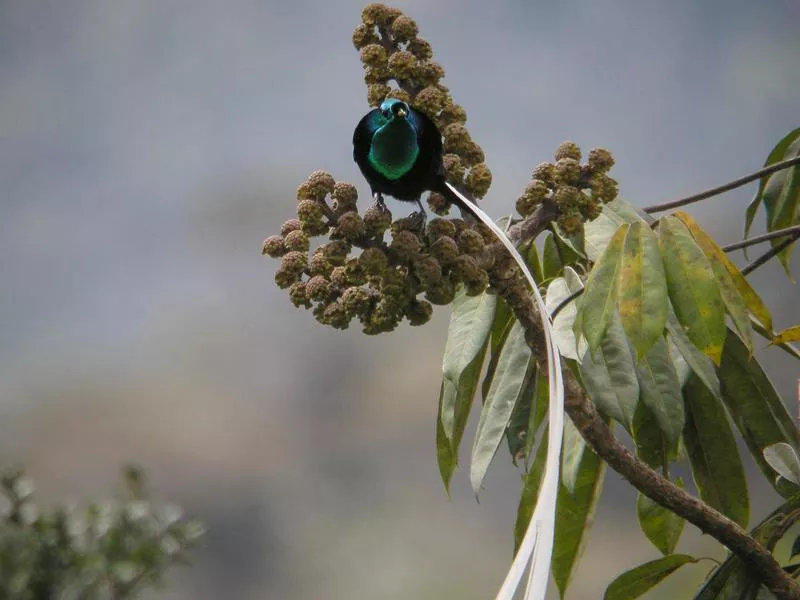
[785,164]
[774,251]
[565,302]
[762,238]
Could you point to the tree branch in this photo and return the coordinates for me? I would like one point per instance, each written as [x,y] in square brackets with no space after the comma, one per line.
[785,164]
[652,484]
[774,251]
[793,231]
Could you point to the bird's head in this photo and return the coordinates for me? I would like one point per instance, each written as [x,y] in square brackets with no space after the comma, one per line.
[393,108]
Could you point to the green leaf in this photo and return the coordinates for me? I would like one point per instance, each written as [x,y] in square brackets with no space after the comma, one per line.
[661,526]
[539,408]
[694,293]
[660,390]
[551,259]
[600,299]
[787,335]
[598,232]
[575,512]
[755,406]
[470,324]
[530,491]
[534,262]
[776,155]
[558,291]
[701,365]
[447,449]
[523,418]
[507,385]
[503,321]
[610,376]
[783,458]
[568,253]
[572,448]
[642,291]
[714,456]
[638,580]
[724,271]
[651,443]
[782,200]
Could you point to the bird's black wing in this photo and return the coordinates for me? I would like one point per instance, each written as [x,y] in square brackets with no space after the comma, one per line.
[430,145]
[362,137]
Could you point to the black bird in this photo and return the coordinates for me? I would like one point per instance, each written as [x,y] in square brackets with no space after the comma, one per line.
[399,152]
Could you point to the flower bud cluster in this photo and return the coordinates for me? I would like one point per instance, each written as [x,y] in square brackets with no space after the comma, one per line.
[399,64]
[359,272]
[578,190]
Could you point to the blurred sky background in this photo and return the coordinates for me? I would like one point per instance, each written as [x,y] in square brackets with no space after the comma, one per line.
[148,146]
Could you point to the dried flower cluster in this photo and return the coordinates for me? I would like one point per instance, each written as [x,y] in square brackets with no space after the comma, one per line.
[398,64]
[386,281]
[380,272]
[578,190]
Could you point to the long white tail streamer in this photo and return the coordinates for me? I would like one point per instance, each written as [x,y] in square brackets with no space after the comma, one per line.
[537,544]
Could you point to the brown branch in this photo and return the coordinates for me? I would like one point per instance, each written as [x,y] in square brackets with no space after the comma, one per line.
[652,484]
[774,251]
[793,231]
[785,164]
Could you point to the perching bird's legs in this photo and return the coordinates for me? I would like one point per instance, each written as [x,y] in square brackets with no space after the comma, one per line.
[420,217]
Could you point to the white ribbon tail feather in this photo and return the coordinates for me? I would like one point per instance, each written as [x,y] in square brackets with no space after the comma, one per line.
[537,544]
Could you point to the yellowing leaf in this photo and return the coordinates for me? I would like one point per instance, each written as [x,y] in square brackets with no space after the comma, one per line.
[693,291]
[642,289]
[787,335]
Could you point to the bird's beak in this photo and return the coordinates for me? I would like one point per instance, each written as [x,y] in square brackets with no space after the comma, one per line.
[402,112]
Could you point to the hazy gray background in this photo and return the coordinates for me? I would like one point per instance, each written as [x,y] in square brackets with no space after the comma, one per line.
[147,148]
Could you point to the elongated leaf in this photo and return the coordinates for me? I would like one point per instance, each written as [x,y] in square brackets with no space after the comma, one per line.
[470,324]
[610,375]
[701,365]
[600,299]
[755,406]
[568,252]
[651,443]
[535,263]
[530,492]
[598,233]
[711,446]
[551,259]
[785,346]
[782,201]
[783,458]
[695,295]
[776,155]
[637,581]
[563,325]
[541,392]
[575,513]
[501,326]
[660,390]
[461,397]
[523,417]
[787,335]
[642,288]
[731,297]
[572,449]
[661,526]
[729,276]
[507,385]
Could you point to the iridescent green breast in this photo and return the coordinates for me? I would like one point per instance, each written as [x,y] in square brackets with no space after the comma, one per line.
[394,149]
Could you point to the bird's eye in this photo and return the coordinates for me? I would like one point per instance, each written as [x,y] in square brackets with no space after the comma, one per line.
[386,113]
[400,109]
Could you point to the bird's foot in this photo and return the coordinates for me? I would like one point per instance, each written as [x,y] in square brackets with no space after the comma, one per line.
[419,218]
[379,202]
